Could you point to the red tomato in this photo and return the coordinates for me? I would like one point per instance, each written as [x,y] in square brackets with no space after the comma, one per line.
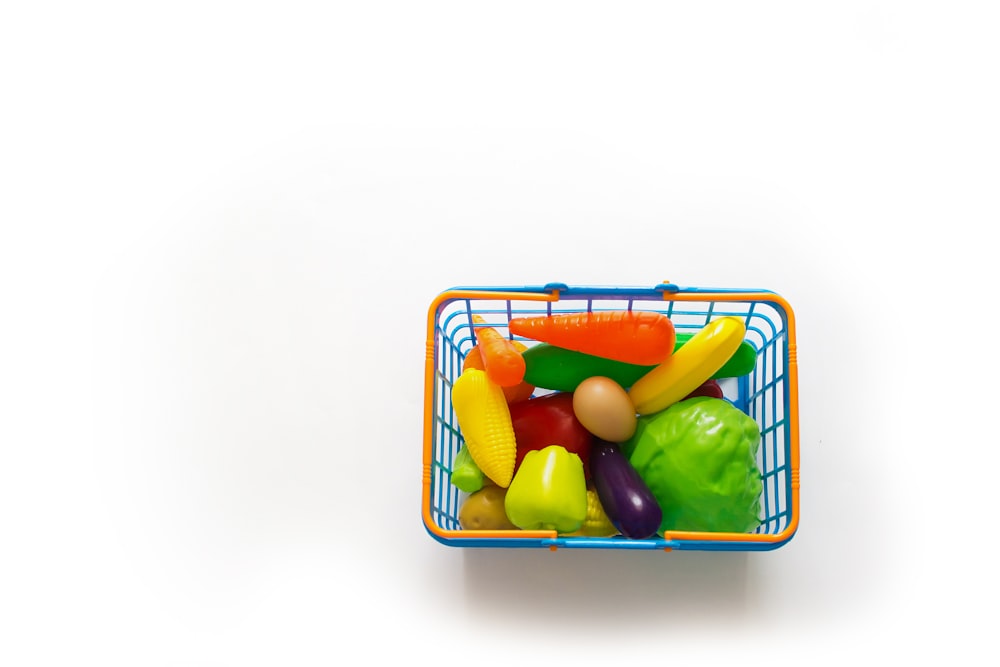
[549,420]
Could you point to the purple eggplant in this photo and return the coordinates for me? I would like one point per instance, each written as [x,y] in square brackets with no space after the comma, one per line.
[626,499]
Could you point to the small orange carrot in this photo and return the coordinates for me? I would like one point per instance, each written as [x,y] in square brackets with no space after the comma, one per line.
[502,360]
[635,337]
[474,359]
[519,392]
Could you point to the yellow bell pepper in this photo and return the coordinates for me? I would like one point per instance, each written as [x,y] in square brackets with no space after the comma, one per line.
[549,492]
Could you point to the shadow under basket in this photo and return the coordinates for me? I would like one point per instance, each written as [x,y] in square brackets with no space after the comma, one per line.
[768,394]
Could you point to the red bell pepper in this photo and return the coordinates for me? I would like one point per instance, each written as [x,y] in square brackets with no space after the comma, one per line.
[549,420]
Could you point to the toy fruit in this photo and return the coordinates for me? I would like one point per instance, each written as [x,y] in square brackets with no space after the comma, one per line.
[465,474]
[698,458]
[739,364]
[636,337]
[548,492]
[597,523]
[503,362]
[484,420]
[625,497]
[484,510]
[520,392]
[604,409]
[687,368]
[549,420]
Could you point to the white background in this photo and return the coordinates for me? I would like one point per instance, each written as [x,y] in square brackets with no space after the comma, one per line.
[221,225]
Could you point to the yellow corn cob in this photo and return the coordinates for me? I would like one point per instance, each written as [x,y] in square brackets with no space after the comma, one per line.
[484,419]
[597,523]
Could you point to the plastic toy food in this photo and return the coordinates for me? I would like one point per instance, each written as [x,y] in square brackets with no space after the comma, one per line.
[597,523]
[520,392]
[686,369]
[465,474]
[548,492]
[549,420]
[741,363]
[698,458]
[484,510]
[484,420]
[503,362]
[559,369]
[604,409]
[709,388]
[635,337]
[625,497]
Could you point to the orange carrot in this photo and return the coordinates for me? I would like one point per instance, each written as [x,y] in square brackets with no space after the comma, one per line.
[634,337]
[502,360]
[474,359]
[519,392]
[522,391]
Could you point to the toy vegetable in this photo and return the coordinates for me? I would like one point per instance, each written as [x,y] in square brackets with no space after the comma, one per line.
[698,458]
[484,510]
[635,337]
[686,369]
[709,388]
[465,474]
[624,495]
[501,360]
[520,392]
[548,492]
[549,420]
[597,523]
[559,369]
[484,420]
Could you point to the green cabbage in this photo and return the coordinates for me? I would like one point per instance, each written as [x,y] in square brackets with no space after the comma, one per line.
[699,458]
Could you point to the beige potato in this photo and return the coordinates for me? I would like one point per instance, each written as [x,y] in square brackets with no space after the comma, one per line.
[484,510]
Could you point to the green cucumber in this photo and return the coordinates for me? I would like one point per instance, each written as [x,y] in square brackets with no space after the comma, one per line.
[550,367]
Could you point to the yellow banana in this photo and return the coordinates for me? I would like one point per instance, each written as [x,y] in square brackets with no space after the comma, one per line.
[484,419]
[687,368]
